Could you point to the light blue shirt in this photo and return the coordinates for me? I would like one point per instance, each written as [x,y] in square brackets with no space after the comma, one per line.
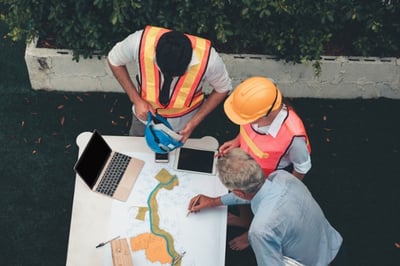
[288,222]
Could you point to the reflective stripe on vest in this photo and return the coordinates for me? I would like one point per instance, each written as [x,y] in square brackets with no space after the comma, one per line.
[267,150]
[184,98]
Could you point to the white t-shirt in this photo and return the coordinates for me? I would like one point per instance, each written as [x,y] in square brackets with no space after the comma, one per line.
[215,75]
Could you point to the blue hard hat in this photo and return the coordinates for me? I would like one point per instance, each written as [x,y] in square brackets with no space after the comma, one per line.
[157,136]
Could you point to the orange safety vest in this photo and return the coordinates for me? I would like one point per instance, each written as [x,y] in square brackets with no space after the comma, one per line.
[267,150]
[184,98]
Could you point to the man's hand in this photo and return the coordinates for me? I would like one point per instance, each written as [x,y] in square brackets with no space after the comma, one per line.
[187,131]
[202,202]
[229,145]
[142,108]
[208,106]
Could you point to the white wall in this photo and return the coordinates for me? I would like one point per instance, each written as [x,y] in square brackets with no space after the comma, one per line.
[341,77]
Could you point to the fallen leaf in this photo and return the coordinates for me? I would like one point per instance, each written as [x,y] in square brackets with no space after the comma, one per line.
[114,123]
[121,117]
[39,140]
[34,152]
[328,129]
[62,120]
[22,123]
[324,118]
[328,140]
[79,98]
[68,146]
[61,106]
[397,245]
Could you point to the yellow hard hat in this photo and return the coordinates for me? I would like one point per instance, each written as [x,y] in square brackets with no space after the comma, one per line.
[253,98]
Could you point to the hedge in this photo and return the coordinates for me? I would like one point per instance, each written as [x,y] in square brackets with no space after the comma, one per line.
[293,30]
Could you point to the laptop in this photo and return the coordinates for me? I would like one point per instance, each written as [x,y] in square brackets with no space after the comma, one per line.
[105,171]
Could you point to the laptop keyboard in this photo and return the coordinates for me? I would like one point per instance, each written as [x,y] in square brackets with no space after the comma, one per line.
[113,174]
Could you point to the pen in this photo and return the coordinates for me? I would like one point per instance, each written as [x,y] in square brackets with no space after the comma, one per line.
[194,204]
[103,243]
[219,154]
[178,257]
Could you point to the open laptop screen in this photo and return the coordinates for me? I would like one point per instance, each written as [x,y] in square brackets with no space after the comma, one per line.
[93,159]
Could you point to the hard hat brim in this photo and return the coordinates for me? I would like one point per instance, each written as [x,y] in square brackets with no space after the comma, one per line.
[231,114]
[234,116]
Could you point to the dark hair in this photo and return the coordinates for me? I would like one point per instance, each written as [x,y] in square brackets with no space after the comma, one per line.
[173,53]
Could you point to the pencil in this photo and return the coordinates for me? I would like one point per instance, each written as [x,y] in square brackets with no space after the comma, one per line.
[194,204]
[104,243]
[178,257]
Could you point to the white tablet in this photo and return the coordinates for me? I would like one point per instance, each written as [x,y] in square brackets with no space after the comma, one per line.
[195,160]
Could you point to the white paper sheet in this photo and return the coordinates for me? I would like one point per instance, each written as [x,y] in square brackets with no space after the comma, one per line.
[201,236]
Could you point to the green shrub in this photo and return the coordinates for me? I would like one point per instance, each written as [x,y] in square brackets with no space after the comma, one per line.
[289,29]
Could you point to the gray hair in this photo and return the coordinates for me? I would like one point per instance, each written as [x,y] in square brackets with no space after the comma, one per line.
[238,170]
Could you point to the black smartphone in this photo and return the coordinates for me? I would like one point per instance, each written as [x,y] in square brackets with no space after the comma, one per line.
[161,157]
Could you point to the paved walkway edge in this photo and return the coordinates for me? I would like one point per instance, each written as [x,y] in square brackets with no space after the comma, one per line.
[340,77]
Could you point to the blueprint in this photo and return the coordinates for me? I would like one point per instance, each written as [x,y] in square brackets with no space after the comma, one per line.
[154,219]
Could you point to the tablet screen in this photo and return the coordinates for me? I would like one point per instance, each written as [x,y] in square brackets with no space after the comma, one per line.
[196,160]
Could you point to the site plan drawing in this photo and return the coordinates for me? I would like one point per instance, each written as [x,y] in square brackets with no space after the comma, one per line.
[154,219]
